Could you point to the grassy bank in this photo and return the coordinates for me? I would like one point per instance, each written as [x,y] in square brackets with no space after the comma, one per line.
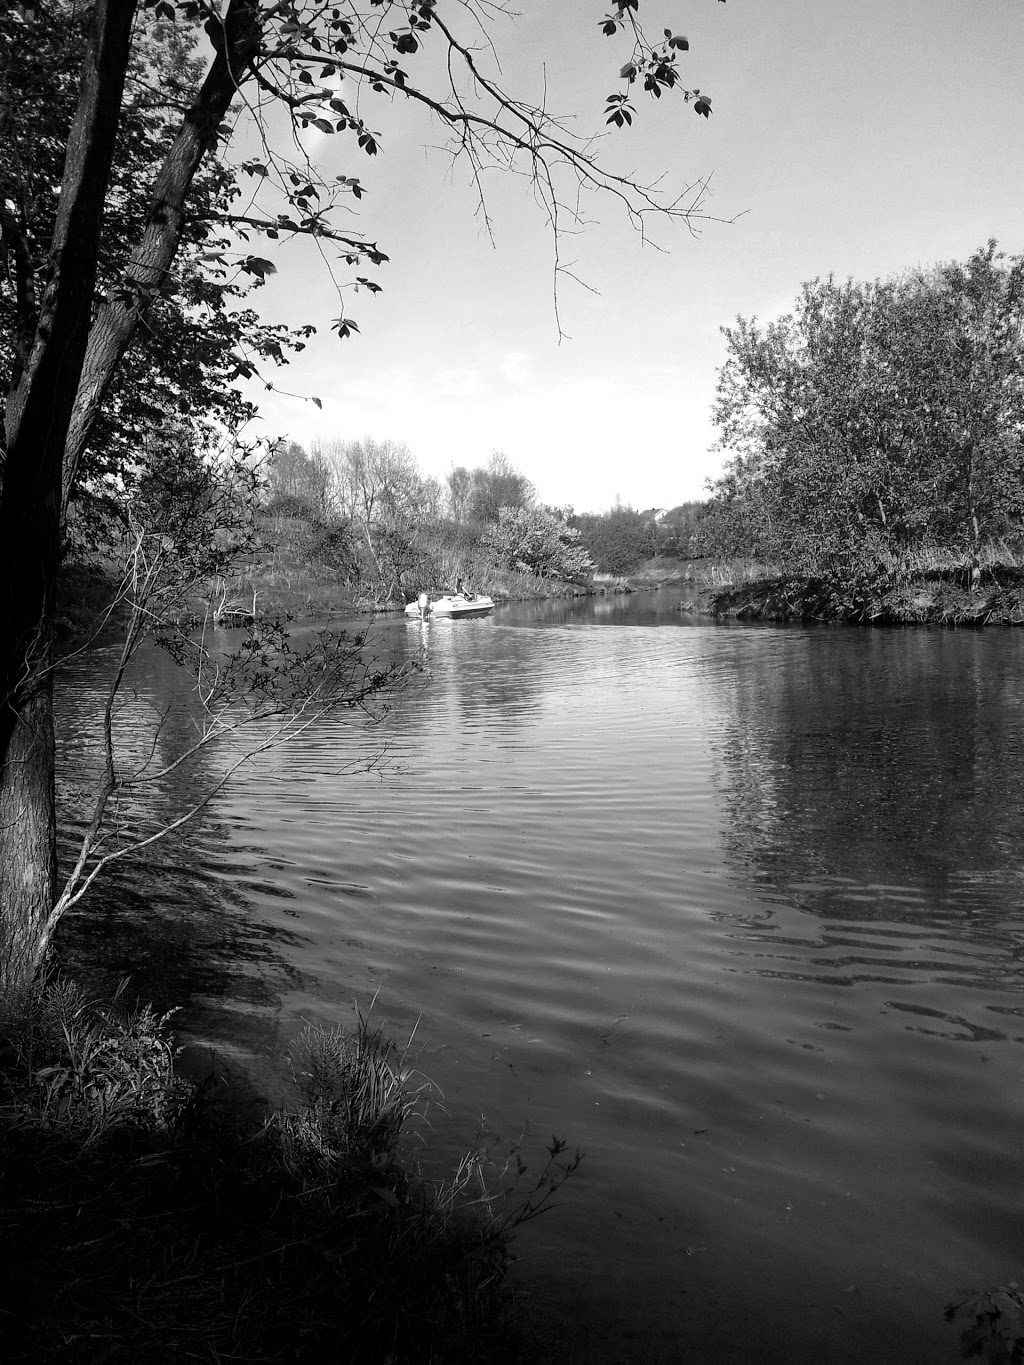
[949,594]
[144,1218]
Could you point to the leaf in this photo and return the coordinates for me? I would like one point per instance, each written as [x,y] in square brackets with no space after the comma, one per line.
[314,399]
[628,72]
[323,125]
[678,41]
[344,327]
[389,1196]
[257,265]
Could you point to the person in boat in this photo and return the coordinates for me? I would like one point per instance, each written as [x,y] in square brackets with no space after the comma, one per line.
[462,591]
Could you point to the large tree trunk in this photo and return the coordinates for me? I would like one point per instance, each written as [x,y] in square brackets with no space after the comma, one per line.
[28,858]
[36,424]
[49,417]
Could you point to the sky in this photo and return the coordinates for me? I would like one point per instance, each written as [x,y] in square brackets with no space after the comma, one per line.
[856,139]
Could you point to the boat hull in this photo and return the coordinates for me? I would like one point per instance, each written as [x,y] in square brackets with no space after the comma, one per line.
[454,607]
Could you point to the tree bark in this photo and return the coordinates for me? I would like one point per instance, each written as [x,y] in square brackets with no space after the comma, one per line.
[36,423]
[49,418]
[28,857]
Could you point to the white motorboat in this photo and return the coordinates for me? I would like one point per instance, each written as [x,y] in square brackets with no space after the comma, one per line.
[451,604]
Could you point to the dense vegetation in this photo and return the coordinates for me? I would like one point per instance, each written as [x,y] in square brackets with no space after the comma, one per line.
[621,540]
[878,429]
[362,518]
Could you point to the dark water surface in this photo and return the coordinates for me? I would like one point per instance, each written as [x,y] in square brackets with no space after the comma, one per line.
[739,911]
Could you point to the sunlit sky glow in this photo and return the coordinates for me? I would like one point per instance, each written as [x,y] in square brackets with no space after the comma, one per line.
[854,139]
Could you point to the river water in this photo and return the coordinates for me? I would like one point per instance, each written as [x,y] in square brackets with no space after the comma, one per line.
[736,910]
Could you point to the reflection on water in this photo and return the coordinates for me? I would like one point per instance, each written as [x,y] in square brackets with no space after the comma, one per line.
[736,910]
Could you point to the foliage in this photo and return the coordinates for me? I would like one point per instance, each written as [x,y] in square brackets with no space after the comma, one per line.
[875,420]
[477,495]
[86,1068]
[199,334]
[297,484]
[538,540]
[618,541]
[679,530]
[377,493]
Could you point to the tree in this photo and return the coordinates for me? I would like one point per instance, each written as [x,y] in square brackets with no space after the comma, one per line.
[538,540]
[678,530]
[495,486]
[378,490]
[298,483]
[875,420]
[458,484]
[72,331]
[618,540]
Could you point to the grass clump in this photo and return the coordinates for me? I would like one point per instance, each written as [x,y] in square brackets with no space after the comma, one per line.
[143,1219]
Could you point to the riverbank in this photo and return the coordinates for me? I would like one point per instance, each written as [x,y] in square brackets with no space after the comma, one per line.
[143,1217]
[942,597]
[89,611]
[665,571]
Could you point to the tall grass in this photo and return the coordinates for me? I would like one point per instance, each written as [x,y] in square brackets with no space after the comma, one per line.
[729,573]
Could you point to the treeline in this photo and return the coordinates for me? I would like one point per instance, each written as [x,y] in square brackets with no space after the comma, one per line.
[365,512]
[621,540]
[876,426]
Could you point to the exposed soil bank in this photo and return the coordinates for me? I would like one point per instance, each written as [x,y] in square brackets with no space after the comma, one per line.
[942,598]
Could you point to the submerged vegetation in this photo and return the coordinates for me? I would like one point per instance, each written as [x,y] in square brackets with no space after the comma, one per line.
[142,1218]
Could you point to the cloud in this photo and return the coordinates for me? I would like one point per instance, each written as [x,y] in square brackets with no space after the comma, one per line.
[458,382]
[514,368]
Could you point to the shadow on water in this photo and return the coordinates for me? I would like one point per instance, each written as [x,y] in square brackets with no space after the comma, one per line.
[175,917]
